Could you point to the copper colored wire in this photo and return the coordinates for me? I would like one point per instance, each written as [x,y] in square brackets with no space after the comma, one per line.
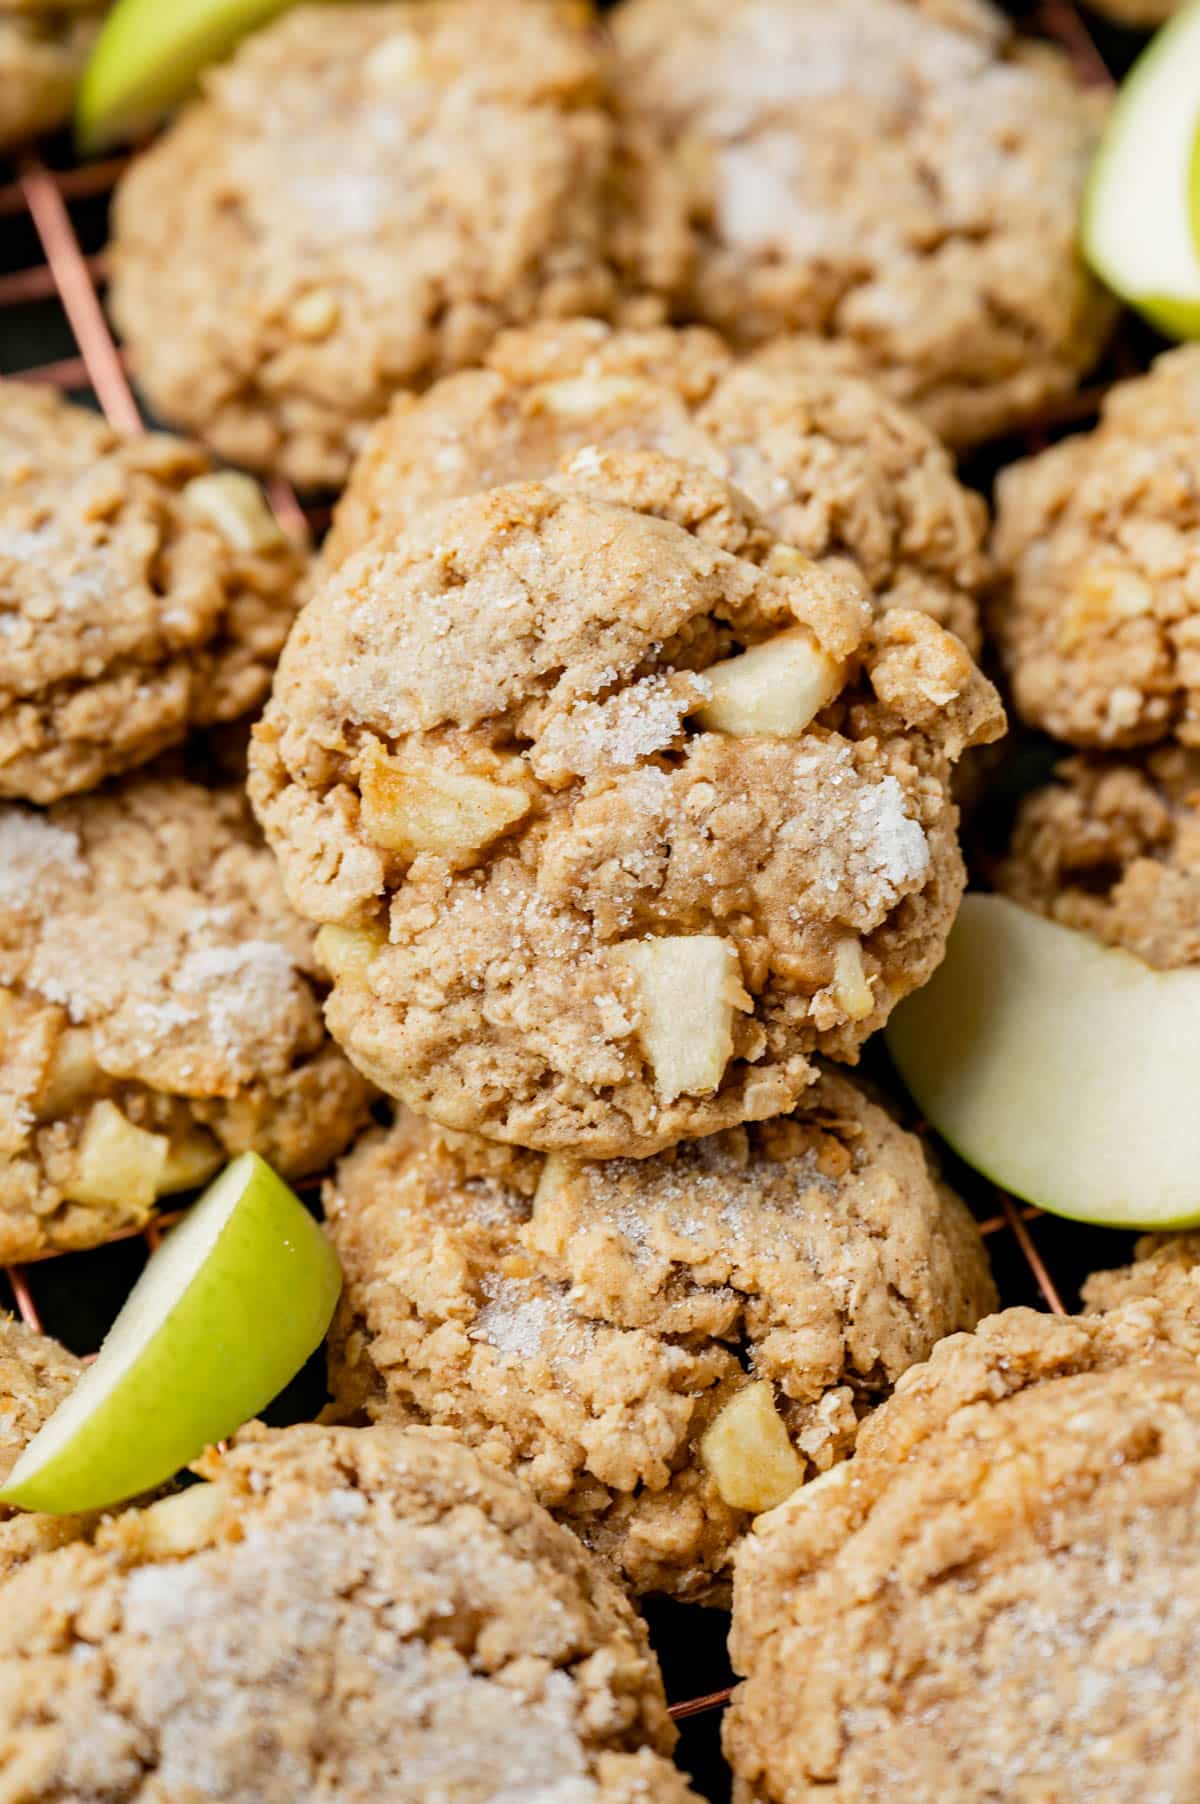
[43,194]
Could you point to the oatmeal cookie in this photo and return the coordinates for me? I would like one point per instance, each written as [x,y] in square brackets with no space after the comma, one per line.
[905,177]
[1165,1267]
[1097,614]
[35,1376]
[835,468]
[588,1323]
[1112,847]
[1000,1589]
[141,594]
[341,1613]
[43,50]
[591,880]
[362,198]
[160,1011]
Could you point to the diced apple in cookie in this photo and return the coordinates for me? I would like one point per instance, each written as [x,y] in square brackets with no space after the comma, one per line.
[687,988]
[747,1450]
[776,688]
[414,806]
[347,952]
[1067,1070]
[118,1162]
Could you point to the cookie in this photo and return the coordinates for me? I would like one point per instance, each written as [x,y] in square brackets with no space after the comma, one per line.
[160,1011]
[1098,542]
[1166,1267]
[903,175]
[1000,1589]
[43,51]
[141,594]
[835,468]
[340,1614]
[596,881]
[1112,847]
[659,1347]
[362,199]
[36,1374]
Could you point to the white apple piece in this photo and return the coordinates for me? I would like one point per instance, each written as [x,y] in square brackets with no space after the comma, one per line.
[777,688]
[414,806]
[688,986]
[225,1313]
[1141,214]
[148,56]
[746,1449]
[1066,1070]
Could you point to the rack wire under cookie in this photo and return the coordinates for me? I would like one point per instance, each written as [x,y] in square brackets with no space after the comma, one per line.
[51,285]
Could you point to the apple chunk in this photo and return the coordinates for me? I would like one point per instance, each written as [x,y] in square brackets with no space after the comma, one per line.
[687,987]
[415,806]
[749,1454]
[118,1162]
[1141,215]
[225,1313]
[1066,1070]
[776,688]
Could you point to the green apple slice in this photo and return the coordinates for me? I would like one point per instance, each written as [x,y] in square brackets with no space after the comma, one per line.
[148,57]
[225,1313]
[1141,213]
[1066,1070]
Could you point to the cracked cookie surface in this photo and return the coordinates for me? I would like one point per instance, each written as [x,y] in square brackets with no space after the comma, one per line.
[362,199]
[1112,847]
[586,1324]
[43,51]
[597,881]
[835,468]
[160,1011]
[340,1613]
[1097,616]
[1003,1581]
[903,177]
[141,594]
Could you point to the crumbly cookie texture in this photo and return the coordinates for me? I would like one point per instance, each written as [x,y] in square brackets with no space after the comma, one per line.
[588,1324]
[1112,847]
[363,198]
[1166,1267]
[160,1011]
[1001,1587]
[340,1613]
[834,467]
[595,880]
[1097,615]
[35,1376]
[141,594]
[43,50]
[905,177]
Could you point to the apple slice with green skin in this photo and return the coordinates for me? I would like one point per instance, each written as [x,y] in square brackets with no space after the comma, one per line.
[225,1313]
[1141,213]
[1066,1070]
[148,57]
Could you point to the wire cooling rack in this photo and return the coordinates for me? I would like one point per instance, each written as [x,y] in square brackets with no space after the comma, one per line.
[53,217]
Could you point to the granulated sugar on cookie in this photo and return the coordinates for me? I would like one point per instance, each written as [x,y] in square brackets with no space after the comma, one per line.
[1098,542]
[1000,1589]
[359,202]
[836,468]
[903,175]
[142,594]
[660,1347]
[341,1613]
[590,877]
[160,1011]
